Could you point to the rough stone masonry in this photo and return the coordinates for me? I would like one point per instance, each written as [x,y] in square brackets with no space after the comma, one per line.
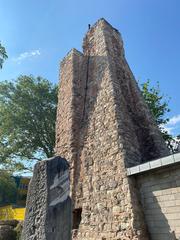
[103,127]
[48,207]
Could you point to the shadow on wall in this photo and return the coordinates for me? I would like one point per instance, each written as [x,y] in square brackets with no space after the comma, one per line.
[93,71]
[160,226]
[160,194]
[115,81]
[96,72]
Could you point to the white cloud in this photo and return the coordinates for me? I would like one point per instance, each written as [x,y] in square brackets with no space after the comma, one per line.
[26,55]
[168,129]
[174,120]
[172,125]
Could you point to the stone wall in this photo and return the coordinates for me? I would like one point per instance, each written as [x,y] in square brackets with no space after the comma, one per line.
[48,207]
[70,114]
[104,126]
[160,196]
[8,229]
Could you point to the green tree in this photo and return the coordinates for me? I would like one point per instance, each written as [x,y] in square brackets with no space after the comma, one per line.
[28,116]
[8,188]
[3,55]
[158,105]
[27,121]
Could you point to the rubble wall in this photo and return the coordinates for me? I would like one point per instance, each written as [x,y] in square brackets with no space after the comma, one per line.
[116,130]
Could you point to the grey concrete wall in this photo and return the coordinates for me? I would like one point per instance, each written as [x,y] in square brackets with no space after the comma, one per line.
[160,197]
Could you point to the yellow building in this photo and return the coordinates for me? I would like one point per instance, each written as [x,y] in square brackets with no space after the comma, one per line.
[10,212]
[17,209]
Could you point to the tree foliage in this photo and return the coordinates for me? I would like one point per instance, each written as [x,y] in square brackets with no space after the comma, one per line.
[8,188]
[28,116]
[158,105]
[3,55]
[27,121]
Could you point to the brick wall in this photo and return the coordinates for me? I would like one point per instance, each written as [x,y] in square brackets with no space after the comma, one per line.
[160,196]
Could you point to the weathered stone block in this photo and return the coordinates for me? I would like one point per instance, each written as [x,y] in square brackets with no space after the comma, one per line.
[7,231]
[48,210]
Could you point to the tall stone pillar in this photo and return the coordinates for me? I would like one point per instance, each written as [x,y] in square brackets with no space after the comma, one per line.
[116,130]
[69,115]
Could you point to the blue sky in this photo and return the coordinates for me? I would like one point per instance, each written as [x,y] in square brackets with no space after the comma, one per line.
[38,34]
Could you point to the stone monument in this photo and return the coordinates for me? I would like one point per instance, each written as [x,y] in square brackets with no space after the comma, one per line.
[48,208]
[103,127]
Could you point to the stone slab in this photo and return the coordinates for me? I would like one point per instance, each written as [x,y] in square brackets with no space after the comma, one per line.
[158,163]
[48,210]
